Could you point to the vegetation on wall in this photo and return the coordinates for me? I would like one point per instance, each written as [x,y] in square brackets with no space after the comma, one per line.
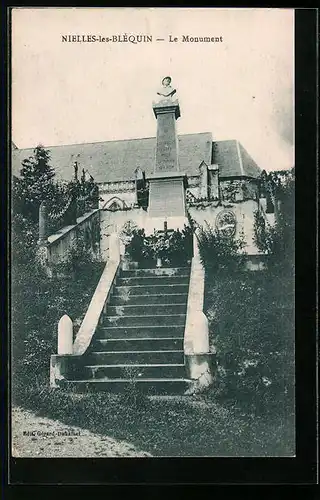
[251,322]
[238,190]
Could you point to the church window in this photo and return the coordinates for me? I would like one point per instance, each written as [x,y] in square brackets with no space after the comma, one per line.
[115,204]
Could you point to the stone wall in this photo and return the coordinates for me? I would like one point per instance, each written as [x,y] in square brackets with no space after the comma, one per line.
[87,228]
[244,213]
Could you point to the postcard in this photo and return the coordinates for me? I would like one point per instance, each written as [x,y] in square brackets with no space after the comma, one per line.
[153,232]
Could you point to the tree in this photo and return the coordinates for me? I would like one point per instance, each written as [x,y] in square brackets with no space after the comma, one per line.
[35,183]
[277,241]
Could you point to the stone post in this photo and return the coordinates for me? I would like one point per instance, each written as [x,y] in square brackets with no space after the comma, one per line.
[139,186]
[65,335]
[213,182]
[73,209]
[114,246]
[198,358]
[43,224]
[203,186]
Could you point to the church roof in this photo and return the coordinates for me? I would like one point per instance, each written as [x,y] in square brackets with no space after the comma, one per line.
[233,160]
[113,161]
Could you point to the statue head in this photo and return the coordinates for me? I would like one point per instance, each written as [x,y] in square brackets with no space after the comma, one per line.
[166,81]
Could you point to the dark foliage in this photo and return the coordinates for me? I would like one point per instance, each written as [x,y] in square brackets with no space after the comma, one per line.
[39,302]
[36,184]
[219,252]
[174,248]
[251,315]
[278,241]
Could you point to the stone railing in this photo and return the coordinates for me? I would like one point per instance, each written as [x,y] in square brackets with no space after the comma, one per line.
[196,336]
[53,249]
[99,299]
[55,220]
[75,206]
[68,359]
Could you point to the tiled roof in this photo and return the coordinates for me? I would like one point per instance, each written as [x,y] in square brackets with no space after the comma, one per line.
[233,160]
[117,160]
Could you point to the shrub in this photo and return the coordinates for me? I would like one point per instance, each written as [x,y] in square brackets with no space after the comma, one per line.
[252,328]
[173,247]
[219,252]
[277,241]
[39,302]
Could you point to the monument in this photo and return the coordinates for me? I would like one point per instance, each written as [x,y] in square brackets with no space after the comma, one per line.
[167,184]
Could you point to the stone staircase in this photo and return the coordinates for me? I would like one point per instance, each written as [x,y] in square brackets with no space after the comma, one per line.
[140,336]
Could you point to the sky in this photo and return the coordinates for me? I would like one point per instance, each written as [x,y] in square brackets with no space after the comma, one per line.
[241,88]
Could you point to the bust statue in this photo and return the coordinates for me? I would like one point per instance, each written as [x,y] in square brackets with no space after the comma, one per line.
[166,91]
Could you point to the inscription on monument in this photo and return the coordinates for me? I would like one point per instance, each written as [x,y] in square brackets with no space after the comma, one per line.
[167,198]
[167,147]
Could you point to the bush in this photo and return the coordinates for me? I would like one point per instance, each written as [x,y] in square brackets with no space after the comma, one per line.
[219,253]
[278,240]
[175,248]
[39,302]
[252,328]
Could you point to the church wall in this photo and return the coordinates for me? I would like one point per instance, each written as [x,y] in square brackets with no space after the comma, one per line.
[244,213]
[114,221]
[128,197]
[233,192]
[239,189]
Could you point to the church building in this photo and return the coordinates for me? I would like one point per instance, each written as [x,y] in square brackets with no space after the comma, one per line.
[166,177]
[150,319]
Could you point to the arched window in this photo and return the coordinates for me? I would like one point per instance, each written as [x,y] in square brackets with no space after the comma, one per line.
[114,204]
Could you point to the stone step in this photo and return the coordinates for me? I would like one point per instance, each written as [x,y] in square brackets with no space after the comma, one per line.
[124,371]
[127,291]
[146,309]
[138,344]
[157,271]
[147,386]
[134,357]
[144,320]
[153,280]
[173,298]
[133,332]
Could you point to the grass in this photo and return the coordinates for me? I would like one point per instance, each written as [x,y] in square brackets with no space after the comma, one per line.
[179,426]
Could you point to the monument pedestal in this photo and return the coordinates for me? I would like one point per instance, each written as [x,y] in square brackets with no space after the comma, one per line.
[167,185]
[167,201]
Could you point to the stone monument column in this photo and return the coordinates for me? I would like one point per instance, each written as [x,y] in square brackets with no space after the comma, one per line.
[167,184]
